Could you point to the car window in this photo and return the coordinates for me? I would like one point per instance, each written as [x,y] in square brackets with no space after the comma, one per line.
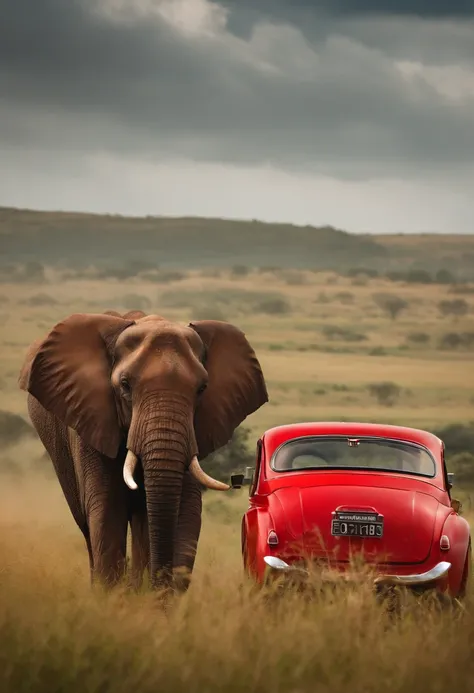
[323,452]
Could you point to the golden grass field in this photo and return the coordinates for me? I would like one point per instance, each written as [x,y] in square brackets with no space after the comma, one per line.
[304,381]
[58,635]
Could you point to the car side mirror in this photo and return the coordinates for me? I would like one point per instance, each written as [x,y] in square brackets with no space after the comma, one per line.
[239,480]
[236,480]
[450,479]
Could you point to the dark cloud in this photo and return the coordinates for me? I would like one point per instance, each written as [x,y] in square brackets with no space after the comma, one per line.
[417,8]
[244,13]
[72,79]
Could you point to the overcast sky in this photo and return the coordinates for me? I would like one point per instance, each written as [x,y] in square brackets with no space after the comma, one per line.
[355,113]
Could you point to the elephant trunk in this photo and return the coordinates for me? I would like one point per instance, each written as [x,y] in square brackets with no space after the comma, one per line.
[161,434]
[163,495]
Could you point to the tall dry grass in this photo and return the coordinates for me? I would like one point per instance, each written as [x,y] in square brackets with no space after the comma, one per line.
[57,635]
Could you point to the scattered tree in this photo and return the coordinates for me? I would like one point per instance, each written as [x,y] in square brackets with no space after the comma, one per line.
[444,276]
[456,308]
[418,276]
[386,393]
[391,304]
[240,271]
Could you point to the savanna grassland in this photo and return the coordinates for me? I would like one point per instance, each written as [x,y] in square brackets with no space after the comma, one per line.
[333,345]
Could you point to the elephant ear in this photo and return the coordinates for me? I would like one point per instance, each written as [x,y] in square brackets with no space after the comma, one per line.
[68,372]
[236,386]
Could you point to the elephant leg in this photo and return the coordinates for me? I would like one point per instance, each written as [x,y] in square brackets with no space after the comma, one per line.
[139,531]
[54,437]
[106,510]
[140,548]
[189,529]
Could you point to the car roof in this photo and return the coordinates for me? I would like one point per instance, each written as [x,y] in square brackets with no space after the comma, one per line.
[279,434]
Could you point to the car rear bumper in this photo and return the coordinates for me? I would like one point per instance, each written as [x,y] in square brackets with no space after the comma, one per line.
[426,578]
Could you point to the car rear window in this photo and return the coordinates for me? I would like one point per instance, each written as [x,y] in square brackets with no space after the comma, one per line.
[327,452]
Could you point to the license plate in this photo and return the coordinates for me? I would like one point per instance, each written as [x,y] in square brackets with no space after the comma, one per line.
[349,524]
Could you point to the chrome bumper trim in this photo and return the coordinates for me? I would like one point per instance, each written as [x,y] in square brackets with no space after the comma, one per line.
[439,571]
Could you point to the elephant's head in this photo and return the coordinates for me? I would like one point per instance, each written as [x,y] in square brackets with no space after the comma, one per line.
[170,393]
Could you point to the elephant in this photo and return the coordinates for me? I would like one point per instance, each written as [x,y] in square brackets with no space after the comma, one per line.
[125,406]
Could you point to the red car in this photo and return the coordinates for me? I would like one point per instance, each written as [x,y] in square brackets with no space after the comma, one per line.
[323,492]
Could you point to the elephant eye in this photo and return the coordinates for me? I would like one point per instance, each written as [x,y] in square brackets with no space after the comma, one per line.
[125,385]
[202,388]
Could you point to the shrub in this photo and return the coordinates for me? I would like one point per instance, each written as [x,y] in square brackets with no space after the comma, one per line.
[386,393]
[461,289]
[457,437]
[273,306]
[362,272]
[395,275]
[449,340]
[32,272]
[391,304]
[231,301]
[467,339]
[418,276]
[111,272]
[456,308]
[13,428]
[344,334]
[418,337]
[411,276]
[444,276]
[462,464]
[240,271]
[293,277]
[232,457]
[378,351]
[456,340]
[345,297]
[40,300]
[360,280]
[168,276]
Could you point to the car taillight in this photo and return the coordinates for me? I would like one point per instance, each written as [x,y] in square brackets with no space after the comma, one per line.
[272,539]
[444,543]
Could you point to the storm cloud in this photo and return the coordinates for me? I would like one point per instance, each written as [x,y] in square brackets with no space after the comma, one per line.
[347,90]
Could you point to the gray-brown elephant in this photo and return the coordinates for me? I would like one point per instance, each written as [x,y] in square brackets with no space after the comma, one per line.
[125,406]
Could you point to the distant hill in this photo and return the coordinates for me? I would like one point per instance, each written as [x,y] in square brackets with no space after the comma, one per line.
[75,240]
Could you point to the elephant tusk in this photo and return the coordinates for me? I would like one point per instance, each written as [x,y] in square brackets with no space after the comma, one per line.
[204,479]
[128,469]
